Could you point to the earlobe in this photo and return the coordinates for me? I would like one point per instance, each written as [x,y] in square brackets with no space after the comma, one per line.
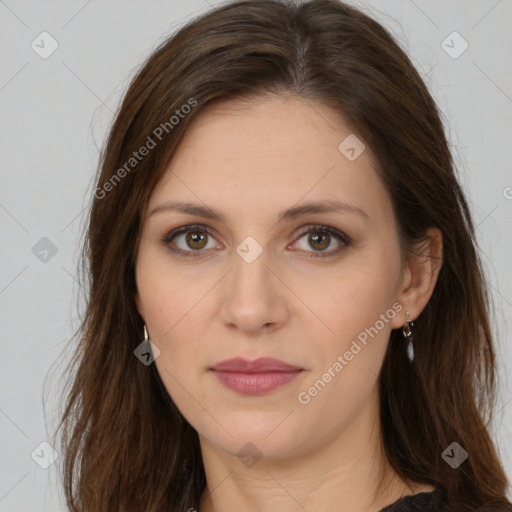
[420,276]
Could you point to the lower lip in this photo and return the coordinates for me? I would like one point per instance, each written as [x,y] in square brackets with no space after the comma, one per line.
[255,383]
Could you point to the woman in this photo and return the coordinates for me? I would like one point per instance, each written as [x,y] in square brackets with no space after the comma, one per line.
[286,310]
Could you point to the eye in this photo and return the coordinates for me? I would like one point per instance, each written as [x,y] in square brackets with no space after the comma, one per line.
[190,240]
[319,238]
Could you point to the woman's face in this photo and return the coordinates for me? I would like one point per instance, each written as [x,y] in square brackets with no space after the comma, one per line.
[274,275]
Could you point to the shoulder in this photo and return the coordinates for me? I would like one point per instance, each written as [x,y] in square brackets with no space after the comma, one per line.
[433,501]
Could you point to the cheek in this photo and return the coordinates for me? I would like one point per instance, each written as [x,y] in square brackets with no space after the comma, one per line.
[175,309]
[357,306]
[353,296]
[168,293]
[167,301]
[359,311]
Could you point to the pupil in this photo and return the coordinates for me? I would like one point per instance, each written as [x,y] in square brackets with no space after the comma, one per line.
[196,240]
[317,239]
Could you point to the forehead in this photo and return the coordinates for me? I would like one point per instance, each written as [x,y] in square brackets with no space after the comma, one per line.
[263,153]
[264,127]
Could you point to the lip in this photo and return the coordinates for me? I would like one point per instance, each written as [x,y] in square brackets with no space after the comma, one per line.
[255,377]
[263,364]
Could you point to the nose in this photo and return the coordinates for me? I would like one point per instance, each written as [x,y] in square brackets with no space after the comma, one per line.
[254,299]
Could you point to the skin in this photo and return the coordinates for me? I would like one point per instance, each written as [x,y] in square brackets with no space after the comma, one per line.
[250,160]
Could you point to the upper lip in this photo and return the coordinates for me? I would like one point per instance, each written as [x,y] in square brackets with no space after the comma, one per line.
[263,364]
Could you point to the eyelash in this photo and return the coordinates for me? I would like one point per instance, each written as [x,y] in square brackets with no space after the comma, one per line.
[342,237]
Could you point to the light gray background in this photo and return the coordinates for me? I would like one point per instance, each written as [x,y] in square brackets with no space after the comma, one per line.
[54,116]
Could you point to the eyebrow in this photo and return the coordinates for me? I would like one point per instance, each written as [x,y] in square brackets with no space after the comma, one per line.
[327,206]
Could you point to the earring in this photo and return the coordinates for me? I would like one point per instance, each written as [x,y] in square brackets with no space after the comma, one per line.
[407,333]
[147,351]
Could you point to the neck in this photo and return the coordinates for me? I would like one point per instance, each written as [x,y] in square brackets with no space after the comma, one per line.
[347,471]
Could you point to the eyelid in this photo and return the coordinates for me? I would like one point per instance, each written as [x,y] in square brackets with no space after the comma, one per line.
[169,237]
[341,236]
[184,229]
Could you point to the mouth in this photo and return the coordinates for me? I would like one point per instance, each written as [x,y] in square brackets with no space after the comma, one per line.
[255,377]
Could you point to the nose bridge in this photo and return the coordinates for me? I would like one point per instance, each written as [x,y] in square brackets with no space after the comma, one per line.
[252,295]
[250,268]
[250,276]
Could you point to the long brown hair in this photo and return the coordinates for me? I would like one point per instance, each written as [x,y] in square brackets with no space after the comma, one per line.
[125,445]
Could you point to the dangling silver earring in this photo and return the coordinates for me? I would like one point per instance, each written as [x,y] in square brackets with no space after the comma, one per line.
[407,332]
[147,351]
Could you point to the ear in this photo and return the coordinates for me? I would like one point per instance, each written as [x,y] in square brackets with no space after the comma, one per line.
[420,276]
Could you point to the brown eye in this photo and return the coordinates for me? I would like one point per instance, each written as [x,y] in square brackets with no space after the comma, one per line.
[319,241]
[190,241]
[316,239]
[196,239]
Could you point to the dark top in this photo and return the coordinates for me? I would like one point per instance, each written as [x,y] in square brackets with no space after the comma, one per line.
[433,502]
[423,502]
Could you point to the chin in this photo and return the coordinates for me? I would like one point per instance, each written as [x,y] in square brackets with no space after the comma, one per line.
[257,437]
